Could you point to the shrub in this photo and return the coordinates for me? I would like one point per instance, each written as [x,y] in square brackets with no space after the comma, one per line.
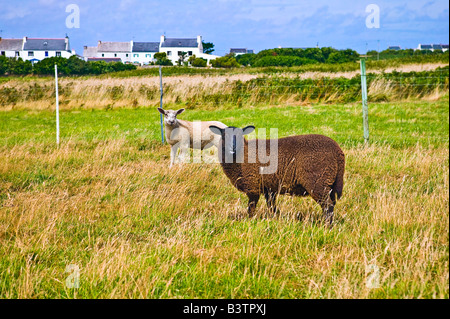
[227,61]
[282,61]
[199,62]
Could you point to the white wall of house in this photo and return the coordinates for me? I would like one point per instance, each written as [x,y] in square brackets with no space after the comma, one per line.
[143,58]
[12,54]
[124,56]
[40,54]
[207,57]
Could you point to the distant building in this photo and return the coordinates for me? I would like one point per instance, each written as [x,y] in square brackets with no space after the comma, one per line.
[239,51]
[425,47]
[35,49]
[394,47]
[433,47]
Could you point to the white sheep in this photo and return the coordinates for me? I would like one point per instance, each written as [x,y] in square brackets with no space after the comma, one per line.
[183,135]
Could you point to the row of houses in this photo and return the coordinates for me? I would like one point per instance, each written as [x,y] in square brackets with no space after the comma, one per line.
[35,49]
[144,52]
[424,47]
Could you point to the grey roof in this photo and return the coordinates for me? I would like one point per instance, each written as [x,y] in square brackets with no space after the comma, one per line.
[444,46]
[89,52]
[11,44]
[179,43]
[145,46]
[46,44]
[437,47]
[426,46]
[114,47]
[238,50]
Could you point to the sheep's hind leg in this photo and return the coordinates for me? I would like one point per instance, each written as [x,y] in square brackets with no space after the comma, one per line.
[252,201]
[327,204]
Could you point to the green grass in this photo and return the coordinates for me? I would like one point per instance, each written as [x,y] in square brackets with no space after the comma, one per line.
[399,125]
[106,201]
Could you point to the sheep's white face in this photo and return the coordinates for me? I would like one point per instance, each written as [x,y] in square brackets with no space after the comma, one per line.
[170,116]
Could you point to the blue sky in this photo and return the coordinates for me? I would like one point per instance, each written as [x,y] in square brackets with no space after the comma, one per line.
[258,24]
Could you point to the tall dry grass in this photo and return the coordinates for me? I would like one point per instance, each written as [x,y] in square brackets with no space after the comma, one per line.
[185,90]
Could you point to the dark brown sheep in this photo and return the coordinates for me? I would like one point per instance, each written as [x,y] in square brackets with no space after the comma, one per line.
[306,165]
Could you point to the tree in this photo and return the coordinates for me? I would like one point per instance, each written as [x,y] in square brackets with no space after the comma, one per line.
[246,59]
[208,47]
[161,59]
[181,57]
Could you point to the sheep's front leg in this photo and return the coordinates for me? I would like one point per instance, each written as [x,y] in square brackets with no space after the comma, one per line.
[271,198]
[173,153]
[252,201]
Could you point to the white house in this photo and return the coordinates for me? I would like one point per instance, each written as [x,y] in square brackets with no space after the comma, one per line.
[39,49]
[173,47]
[11,47]
[144,52]
[35,49]
[121,50]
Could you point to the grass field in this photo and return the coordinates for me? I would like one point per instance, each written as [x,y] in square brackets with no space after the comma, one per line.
[106,201]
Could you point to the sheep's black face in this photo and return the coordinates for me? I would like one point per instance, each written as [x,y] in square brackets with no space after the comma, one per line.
[231,146]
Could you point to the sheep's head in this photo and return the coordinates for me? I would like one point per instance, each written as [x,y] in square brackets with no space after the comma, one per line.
[231,145]
[170,116]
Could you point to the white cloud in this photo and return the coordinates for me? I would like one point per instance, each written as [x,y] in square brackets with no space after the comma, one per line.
[10,13]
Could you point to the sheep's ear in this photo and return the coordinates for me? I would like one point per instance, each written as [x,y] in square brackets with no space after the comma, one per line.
[161,111]
[215,129]
[248,129]
[180,111]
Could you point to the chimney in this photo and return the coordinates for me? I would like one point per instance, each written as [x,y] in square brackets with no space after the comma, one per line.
[199,43]
[99,42]
[163,38]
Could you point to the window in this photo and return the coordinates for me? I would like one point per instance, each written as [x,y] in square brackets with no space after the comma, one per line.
[126,55]
[148,55]
[17,53]
[58,53]
[190,53]
[115,55]
[136,55]
[46,53]
[30,53]
[169,53]
[3,53]
[103,55]
[180,53]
